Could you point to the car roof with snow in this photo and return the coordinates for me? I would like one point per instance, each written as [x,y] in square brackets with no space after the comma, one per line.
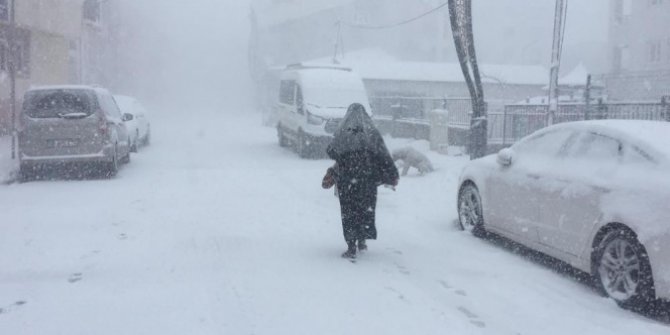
[68,87]
[652,136]
[326,76]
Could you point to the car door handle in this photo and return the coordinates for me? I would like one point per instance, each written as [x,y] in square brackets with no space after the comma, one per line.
[533,176]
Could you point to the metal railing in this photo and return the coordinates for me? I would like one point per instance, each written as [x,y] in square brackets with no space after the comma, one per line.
[403,116]
[522,120]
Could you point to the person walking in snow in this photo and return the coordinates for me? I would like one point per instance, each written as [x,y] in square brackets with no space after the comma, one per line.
[362,163]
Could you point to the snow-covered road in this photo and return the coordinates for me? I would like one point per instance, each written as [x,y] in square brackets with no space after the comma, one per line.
[214,229]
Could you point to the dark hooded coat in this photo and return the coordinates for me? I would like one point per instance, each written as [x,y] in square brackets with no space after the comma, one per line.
[363,163]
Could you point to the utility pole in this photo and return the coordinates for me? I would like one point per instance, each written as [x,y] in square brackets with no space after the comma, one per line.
[460,14]
[338,42]
[12,73]
[556,51]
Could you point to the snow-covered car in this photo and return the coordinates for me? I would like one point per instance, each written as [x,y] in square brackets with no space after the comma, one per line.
[594,194]
[72,124]
[139,127]
[312,102]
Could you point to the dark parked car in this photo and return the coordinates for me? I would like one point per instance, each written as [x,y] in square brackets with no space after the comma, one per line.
[72,124]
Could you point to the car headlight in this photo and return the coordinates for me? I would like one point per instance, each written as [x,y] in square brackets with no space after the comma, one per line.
[315,120]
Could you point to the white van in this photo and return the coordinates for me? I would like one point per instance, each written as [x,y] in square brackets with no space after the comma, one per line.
[312,102]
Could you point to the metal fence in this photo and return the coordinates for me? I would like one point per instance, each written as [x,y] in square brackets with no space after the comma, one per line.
[402,116]
[507,123]
[518,121]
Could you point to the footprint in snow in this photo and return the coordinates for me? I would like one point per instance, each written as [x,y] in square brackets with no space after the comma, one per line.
[75,277]
[12,307]
[474,318]
[402,269]
[395,251]
[399,294]
[448,287]
[444,284]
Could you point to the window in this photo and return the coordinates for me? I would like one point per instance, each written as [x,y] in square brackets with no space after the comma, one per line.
[73,62]
[287,92]
[654,51]
[548,144]
[299,100]
[4,10]
[22,53]
[623,10]
[92,11]
[635,155]
[109,106]
[598,147]
[4,54]
[55,103]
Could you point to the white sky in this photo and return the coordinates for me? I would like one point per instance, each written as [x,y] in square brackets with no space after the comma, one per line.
[197,49]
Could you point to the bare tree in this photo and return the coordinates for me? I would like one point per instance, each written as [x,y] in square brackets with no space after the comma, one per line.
[460,13]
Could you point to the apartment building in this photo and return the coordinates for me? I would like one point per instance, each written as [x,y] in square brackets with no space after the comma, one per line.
[639,38]
[55,42]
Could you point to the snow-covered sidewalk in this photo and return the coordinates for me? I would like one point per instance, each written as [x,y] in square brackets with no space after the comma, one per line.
[8,166]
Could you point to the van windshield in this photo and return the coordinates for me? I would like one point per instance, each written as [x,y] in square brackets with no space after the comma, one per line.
[57,104]
[334,97]
[326,88]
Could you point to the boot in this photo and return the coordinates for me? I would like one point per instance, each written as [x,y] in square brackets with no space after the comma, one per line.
[351,250]
[362,246]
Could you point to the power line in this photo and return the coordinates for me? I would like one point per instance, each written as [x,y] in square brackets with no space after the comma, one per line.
[386,26]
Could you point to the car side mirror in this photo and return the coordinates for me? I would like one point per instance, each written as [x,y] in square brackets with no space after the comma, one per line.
[127,117]
[505,157]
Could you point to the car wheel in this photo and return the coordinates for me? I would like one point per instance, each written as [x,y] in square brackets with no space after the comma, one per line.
[470,210]
[283,141]
[126,158]
[133,147]
[147,137]
[622,271]
[112,168]
[302,146]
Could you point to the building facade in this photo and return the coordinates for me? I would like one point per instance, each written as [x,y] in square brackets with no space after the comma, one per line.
[640,50]
[55,42]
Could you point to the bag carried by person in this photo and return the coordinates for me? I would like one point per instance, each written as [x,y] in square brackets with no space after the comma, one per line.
[329,179]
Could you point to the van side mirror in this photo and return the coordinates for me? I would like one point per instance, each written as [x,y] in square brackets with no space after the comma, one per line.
[127,117]
[505,157]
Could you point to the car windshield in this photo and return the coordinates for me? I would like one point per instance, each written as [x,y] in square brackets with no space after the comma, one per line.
[126,104]
[57,103]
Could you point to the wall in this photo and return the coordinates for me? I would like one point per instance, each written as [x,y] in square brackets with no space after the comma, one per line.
[635,25]
[61,17]
[53,25]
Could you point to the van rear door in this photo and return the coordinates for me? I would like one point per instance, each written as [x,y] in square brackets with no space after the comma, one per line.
[287,105]
[60,122]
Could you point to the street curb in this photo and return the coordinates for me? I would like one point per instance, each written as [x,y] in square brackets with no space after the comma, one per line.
[11,179]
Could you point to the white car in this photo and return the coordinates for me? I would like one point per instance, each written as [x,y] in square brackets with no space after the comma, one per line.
[594,194]
[312,102]
[139,128]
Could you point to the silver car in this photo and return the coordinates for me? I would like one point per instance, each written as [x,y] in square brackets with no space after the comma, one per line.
[594,194]
[72,124]
[139,128]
